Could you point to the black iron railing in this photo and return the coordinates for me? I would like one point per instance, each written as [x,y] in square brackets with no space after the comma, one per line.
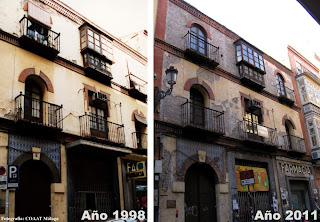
[252,131]
[40,33]
[140,140]
[203,118]
[99,127]
[294,143]
[38,111]
[288,93]
[201,46]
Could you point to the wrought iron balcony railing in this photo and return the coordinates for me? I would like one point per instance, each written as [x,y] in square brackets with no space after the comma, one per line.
[199,46]
[140,140]
[294,144]
[200,117]
[38,112]
[287,96]
[255,132]
[40,34]
[92,126]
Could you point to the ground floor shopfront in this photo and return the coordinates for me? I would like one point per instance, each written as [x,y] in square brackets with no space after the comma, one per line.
[297,185]
[246,200]
[61,181]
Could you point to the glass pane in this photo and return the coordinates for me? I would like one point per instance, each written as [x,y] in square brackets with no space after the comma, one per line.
[90,33]
[244,47]
[250,50]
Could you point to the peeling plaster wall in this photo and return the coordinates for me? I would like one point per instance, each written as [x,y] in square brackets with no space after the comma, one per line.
[227,99]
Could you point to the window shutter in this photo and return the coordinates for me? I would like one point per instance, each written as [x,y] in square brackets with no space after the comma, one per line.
[39,14]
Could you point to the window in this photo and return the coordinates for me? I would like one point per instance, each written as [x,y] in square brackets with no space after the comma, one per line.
[314,140]
[198,39]
[90,59]
[32,103]
[197,107]
[97,42]
[253,117]
[98,116]
[280,85]
[247,54]
[299,67]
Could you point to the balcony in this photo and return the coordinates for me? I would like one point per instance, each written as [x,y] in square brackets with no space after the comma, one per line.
[200,51]
[202,118]
[39,39]
[97,69]
[294,144]
[38,112]
[137,88]
[287,97]
[256,133]
[251,78]
[140,140]
[95,127]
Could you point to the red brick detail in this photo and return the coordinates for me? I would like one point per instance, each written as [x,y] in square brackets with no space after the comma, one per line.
[47,81]
[136,112]
[203,25]
[25,73]
[30,71]
[181,172]
[86,93]
[161,19]
[209,90]
[284,118]
[189,83]
[278,71]
[195,12]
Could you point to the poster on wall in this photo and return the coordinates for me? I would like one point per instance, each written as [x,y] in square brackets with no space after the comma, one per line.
[261,181]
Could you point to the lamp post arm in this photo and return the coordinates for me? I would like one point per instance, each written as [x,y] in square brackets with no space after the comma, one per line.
[159,95]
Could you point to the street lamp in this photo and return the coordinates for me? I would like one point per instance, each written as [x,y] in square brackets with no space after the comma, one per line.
[171,74]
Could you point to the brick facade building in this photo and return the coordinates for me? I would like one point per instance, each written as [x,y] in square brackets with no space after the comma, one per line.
[233,108]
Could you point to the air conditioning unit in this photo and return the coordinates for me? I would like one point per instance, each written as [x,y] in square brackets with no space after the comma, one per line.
[99,97]
[315,155]
[254,104]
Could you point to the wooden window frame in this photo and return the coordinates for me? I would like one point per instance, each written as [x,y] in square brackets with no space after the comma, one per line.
[106,47]
[243,52]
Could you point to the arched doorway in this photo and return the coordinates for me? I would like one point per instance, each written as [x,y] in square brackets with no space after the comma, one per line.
[33,197]
[200,197]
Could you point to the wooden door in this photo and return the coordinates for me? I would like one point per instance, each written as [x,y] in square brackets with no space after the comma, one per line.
[33,197]
[200,199]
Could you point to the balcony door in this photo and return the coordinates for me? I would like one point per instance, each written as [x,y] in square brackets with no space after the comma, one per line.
[280,85]
[198,39]
[196,108]
[98,117]
[33,102]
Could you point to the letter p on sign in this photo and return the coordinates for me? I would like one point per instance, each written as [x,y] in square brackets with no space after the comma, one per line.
[13,176]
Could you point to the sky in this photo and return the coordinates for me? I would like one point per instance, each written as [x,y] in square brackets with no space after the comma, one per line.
[118,17]
[269,25]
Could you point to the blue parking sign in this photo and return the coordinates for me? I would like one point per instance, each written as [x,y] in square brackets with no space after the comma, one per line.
[13,176]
